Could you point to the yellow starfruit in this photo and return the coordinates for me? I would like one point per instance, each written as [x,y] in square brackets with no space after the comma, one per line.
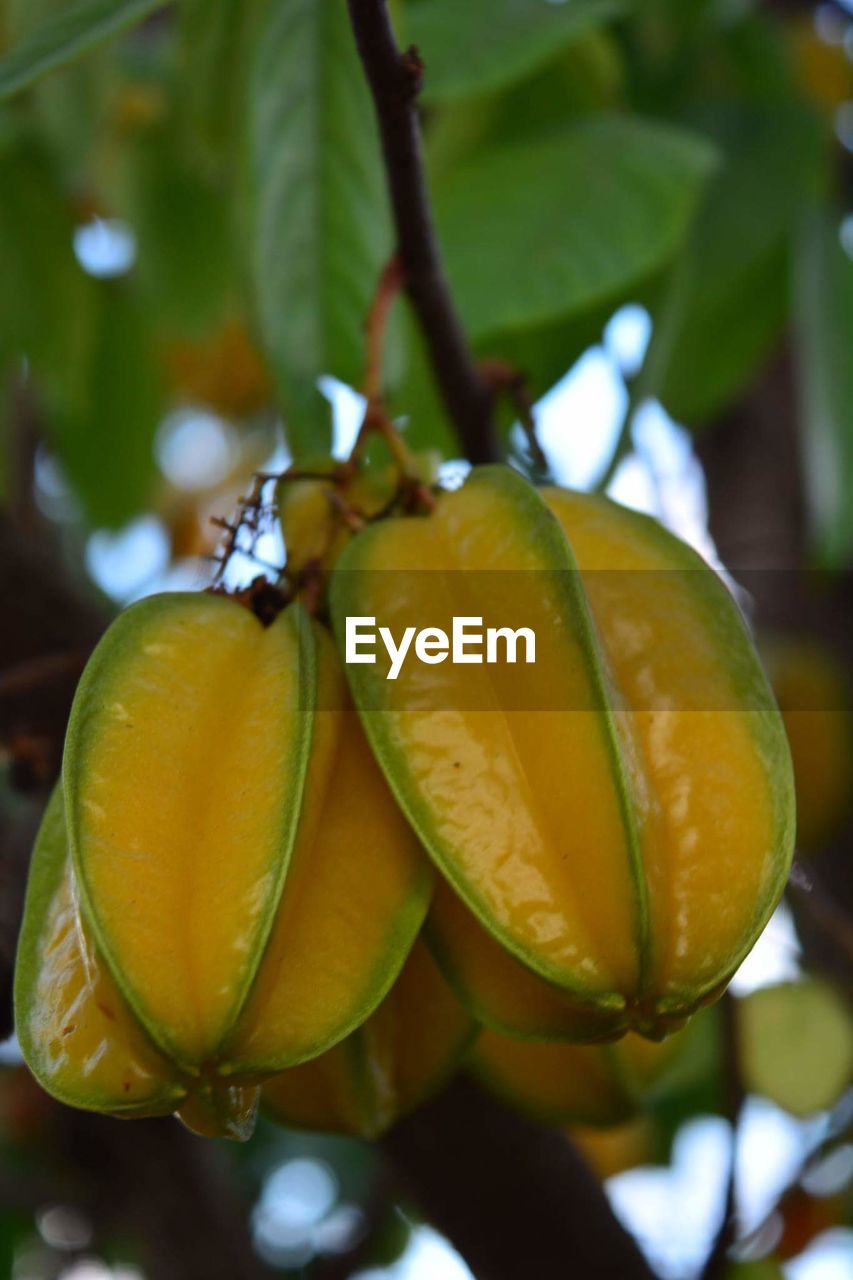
[595,1085]
[617,814]
[225,887]
[814,696]
[387,1067]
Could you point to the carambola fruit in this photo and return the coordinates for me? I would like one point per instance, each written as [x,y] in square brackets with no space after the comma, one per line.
[391,1064]
[224,887]
[596,1085]
[814,697]
[617,816]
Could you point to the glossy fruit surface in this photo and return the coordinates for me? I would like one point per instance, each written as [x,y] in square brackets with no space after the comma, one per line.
[401,1055]
[618,815]
[323,502]
[313,510]
[238,868]
[814,697]
[596,1085]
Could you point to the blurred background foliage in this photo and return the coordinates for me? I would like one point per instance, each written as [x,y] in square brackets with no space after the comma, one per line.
[193,221]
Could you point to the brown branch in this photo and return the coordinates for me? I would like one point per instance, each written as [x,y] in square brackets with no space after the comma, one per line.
[390,283]
[515,1198]
[395,79]
[832,920]
[504,378]
[716,1264]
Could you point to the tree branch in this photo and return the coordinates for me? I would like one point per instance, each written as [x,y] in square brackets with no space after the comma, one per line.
[716,1264]
[515,1198]
[394,79]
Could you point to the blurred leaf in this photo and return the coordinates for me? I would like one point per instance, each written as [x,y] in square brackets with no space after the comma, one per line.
[680,54]
[320,232]
[545,353]
[44,294]
[214,40]
[824,333]
[69,33]
[6,375]
[796,1042]
[587,76]
[389,1241]
[540,231]
[759,61]
[694,1086]
[416,397]
[729,299]
[182,219]
[68,107]
[484,44]
[761,1269]
[87,343]
[104,430]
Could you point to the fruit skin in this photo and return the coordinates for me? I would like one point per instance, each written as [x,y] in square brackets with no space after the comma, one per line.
[594,1085]
[403,1054]
[311,510]
[501,992]
[320,515]
[236,928]
[64,994]
[567,834]
[618,1147]
[814,697]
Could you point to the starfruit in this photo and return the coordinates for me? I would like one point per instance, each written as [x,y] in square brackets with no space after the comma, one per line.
[311,502]
[402,1055]
[595,1085]
[814,697]
[616,816]
[321,504]
[225,886]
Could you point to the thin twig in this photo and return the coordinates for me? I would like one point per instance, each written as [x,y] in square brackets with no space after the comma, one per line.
[395,79]
[35,673]
[832,919]
[621,449]
[502,377]
[250,516]
[390,284]
[716,1263]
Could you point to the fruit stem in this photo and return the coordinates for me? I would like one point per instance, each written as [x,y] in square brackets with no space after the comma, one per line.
[394,79]
[376,324]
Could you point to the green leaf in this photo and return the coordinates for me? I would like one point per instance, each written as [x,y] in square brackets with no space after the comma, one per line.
[67,35]
[587,76]
[42,282]
[320,231]
[545,353]
[214,40]
[416,398]
[761,1269]
[532,233]
[66,109]
[824,342]
[6,376]
[729,300]
[87,343]
[104,427]
[796,1043]
[481,45]
[182,218]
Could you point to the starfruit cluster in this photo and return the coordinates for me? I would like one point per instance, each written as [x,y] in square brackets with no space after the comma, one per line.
[268,873]
[613,823]
[223,886]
